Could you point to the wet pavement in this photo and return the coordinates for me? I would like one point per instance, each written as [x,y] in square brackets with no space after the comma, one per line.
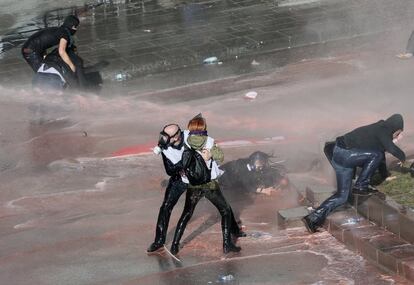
[71,213]
[142,38]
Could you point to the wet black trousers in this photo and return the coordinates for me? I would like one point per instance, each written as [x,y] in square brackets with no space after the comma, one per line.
[213,193]
[173,192]
[344,162]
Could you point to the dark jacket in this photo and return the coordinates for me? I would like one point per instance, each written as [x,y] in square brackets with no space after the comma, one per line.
[237,177]
[47,38]
[172,169]
[377,136]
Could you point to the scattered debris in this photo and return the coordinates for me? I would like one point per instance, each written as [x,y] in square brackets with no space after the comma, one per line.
[406,55]
[210,60]
[259,235]
[85,134]
[251,95]
[254,62]
[147,31]
[226,278]
[121,76]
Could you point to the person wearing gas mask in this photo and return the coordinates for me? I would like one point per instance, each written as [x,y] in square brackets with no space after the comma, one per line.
[35,48]
[245,178]
[198,141]
[171,147]
[363,147]
[253,174]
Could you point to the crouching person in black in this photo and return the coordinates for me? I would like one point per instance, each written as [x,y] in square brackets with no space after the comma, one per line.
[171,143]
[253,174]
[202,146]
[363,147]
[246,178]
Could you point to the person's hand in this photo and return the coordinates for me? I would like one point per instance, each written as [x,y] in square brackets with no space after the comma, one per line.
[390,178]
[206,154]
[404,164]
[268,191]
[73,68]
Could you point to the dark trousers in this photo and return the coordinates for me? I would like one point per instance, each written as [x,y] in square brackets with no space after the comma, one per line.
[213,193]
[33,58]
[410,44]
[173,192]
[80,71]
[344,162]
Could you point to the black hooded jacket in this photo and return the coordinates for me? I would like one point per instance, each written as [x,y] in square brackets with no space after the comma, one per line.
[377,136]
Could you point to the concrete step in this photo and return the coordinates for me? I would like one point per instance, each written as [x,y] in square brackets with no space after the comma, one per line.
[375,227]
[316,195]
[290,218]
[311,188]
[385,213]
[387,250]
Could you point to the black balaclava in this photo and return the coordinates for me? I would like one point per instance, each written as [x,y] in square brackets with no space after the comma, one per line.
[395,123]
[70,22]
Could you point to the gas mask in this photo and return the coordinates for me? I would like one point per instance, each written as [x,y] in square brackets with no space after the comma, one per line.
[164,140]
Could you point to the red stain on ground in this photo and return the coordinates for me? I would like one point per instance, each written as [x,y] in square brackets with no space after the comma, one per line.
[135,149]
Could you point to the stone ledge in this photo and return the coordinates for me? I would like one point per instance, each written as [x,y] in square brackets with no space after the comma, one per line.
[289,218]
[386,214]
[380,246]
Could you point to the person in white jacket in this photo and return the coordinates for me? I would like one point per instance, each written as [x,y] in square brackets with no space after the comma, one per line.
[171,146]
[199,141]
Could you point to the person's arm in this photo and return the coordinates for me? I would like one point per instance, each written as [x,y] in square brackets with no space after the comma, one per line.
[217,154]
[171,168]
[390,147]
[64,55]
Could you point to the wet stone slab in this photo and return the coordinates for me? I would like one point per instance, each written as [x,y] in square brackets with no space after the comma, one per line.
[242,28]
[290,218]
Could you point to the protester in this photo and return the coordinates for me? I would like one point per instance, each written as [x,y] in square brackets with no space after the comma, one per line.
[171,144]
[202,147]
[253,174]
[363,147]
[35,48]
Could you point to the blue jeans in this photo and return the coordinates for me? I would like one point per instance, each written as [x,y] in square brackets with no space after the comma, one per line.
[344,162]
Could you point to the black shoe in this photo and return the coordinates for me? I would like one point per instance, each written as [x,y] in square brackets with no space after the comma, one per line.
[364,191]
[240,234]
[361,192]
[154,247]
[228,247]
[175,248]
[310,225]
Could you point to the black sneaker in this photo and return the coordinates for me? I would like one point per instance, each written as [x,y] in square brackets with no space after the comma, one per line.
[230,247]
[154,247]
[310,226]
[239,234]
[369,189]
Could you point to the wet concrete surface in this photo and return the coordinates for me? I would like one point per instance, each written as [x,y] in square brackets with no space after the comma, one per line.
[72,214]
[146,38]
